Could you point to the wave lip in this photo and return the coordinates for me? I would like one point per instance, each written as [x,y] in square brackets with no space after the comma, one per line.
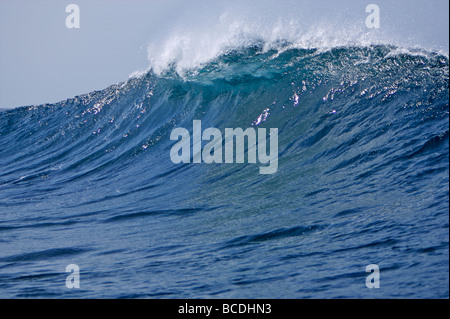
[186,47]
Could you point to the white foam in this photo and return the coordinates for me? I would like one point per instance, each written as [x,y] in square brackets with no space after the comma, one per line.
[189,42]
[197,34]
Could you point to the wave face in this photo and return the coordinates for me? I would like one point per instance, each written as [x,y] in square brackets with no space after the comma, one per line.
[362,179]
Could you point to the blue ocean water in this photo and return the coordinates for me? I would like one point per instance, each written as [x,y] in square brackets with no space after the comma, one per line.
[363,178]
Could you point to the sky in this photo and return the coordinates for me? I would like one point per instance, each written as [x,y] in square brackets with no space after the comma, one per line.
[43,61]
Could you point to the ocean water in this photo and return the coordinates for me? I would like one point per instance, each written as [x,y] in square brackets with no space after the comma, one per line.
[363,178]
